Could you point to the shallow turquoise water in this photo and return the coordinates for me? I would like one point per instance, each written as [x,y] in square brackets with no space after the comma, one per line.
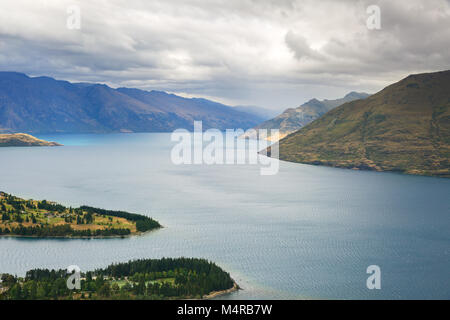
[307,232]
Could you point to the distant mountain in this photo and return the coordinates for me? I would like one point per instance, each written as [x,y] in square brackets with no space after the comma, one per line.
[23,140]
[293,119]
[263,113]
[46,105]
[404,127]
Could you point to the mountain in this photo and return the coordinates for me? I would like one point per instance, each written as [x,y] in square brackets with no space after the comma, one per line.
[262,113]
[405,127]
[46,105]
[23,140]
[293,119]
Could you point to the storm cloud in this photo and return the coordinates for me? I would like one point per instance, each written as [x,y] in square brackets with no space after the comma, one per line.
[275,54]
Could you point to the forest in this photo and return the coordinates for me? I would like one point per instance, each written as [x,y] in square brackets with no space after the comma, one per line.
[166,278]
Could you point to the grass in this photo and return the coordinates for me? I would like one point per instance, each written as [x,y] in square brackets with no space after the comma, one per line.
[123,282]
[402,128]
[28,213]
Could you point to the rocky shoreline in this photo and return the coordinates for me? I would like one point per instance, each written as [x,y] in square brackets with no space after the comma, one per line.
[216,294]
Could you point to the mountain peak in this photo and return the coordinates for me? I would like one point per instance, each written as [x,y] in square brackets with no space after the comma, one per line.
[312,101]
[292,119]
[404,127]
[356,95]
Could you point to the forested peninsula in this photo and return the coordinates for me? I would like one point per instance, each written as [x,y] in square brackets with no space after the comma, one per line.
[156,279]
[45,219]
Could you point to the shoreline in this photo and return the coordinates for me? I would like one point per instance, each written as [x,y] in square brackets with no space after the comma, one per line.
[216,294]
[77,238]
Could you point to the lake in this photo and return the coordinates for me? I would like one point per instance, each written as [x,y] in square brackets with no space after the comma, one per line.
[307,232]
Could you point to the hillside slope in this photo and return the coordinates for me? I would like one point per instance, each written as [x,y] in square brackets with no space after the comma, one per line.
[24,140]
[293,119]
[46,105]
[404,127]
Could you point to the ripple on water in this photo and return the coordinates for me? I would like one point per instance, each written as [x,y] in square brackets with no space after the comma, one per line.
[306,232]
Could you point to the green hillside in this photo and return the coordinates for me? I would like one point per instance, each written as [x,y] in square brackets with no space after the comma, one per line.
[404,127]
[23,140]
[293,119]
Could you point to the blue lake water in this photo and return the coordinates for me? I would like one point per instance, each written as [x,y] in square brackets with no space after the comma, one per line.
[307,232]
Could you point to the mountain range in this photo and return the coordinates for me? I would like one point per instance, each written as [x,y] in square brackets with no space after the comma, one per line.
[45,105]
[405,127]
[293,119]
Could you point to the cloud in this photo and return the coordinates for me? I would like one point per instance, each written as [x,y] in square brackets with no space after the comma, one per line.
[272,53]
[300,47]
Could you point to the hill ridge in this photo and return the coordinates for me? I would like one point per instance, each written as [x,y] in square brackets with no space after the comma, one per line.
[46,105]
[404,127]
[292,119]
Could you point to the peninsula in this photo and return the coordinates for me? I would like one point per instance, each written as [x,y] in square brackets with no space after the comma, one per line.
[403,128]
[24,140]
[45,219]
[156,279]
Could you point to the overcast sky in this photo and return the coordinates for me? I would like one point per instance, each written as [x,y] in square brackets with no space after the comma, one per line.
[275,54]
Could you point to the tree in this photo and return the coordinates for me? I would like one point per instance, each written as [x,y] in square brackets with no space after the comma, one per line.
[115,287]
[105,290]
[16,292]
[8,279]
[89,218]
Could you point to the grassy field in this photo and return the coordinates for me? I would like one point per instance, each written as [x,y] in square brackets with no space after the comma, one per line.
[123,282]
[20,216]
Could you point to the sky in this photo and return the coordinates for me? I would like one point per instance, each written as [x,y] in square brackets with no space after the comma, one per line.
[275,54]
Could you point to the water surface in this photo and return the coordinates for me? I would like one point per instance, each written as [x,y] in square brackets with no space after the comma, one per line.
[307,232]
